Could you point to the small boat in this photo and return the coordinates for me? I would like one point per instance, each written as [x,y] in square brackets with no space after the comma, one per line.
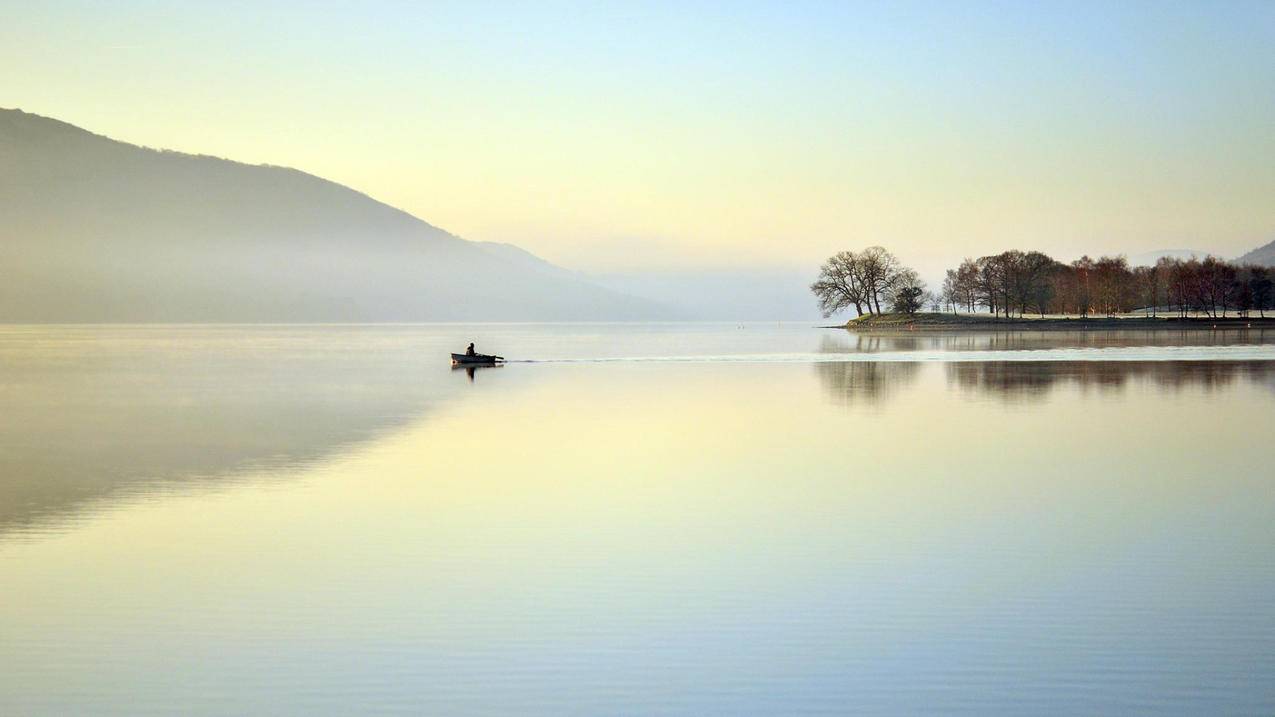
[476,360]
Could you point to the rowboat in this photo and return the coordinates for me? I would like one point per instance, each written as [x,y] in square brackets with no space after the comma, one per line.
[476,360]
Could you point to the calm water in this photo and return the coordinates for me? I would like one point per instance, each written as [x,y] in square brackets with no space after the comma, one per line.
[641,519]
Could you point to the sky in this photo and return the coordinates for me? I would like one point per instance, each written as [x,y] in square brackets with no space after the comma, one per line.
[648,136]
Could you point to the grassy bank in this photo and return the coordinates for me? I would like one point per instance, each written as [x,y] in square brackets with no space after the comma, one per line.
[984,322]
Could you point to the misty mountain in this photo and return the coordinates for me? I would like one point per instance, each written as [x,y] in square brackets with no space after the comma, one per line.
[1264,255]
[1151,257]
[98,230]
[723,295]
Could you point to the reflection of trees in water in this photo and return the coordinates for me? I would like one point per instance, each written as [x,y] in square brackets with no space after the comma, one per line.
[865,382]
[850,342]
[877,342]
[874,382]
[1027,379]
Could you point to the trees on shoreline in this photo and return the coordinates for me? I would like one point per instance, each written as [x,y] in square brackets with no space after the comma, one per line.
[1017,283]
[866,279]
[1032,282]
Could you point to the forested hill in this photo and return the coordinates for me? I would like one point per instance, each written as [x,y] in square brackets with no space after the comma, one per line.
[99,230]
[1263,255]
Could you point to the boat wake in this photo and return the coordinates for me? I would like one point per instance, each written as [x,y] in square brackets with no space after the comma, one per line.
[1123,353]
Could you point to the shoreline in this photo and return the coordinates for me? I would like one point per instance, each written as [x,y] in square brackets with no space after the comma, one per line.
[967,322]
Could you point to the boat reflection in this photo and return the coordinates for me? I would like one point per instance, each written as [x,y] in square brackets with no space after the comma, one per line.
[471,369]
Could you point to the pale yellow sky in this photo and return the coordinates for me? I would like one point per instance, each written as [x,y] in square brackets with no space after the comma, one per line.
[612,138]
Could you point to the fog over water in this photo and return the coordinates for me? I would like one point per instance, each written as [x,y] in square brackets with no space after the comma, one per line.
[634,518]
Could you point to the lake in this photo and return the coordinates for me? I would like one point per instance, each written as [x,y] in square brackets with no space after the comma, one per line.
[635,519]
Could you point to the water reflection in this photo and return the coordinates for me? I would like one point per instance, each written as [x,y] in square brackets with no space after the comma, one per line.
[1016,381]
[854,383]
[868,383]
[470,371]
[628,526]
[879,342]
[91,414]
[865,382]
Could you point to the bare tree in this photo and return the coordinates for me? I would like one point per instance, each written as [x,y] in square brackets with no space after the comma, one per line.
[1214,285]
[989,281]
[1261,287]
[1066,290]
[967,283]
[1084,268]
[1112,282]
[840,285]
[1243,299]
[879,272]
[998,279]
[950,295]
[1147,283]
[1034,281]
[1182,284]
[1164,269]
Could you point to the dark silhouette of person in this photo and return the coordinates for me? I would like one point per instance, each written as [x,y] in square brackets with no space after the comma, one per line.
[470,351]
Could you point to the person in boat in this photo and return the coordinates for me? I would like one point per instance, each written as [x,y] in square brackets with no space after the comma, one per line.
[470,351]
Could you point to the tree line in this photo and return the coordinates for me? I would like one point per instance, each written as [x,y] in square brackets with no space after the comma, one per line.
[1017,282]
[1033,282]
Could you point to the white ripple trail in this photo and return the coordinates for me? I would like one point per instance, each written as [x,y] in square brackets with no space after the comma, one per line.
[1264,352]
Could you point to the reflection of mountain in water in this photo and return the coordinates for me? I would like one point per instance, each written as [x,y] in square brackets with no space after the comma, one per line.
[94,413]
[1013,380]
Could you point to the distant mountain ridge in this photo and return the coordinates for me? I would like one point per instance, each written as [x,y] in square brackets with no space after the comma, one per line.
[1264,255]
[97,230]
[1149,258]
